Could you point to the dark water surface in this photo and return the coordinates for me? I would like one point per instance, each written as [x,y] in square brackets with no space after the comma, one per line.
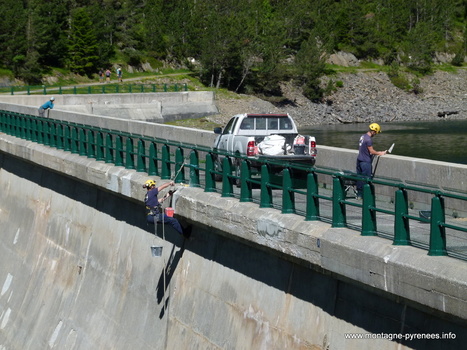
[444,140]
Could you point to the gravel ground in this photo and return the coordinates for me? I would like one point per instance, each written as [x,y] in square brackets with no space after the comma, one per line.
[365,97]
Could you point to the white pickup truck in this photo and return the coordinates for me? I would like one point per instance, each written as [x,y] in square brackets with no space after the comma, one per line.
[271,136]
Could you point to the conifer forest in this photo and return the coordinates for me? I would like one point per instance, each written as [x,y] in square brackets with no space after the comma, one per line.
[241,45]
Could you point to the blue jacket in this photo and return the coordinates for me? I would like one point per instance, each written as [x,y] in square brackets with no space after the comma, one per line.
[48,104]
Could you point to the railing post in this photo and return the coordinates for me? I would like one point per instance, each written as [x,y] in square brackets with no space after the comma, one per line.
[266,191]
[100,146]
[41,132]
[109,150]
[194,168]
[165,162]
[129,153]
[179,164]
[227,187]
[437,230]
[140,161]
[23,127]
[33,129]
[82,142]
[210,185]
[312,200]
[152,166]
[368,212]
[401,222]
[91,149]
[288,198]
[45,131]
[118,150]
[17,125]
[66,138]
[53,134]
[29,129]
[246,193]
[338,208]
[74,140]
[59,135]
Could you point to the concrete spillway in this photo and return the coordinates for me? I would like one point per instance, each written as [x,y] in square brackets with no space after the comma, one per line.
[76,272]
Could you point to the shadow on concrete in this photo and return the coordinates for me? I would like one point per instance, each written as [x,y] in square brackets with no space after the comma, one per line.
[377,312]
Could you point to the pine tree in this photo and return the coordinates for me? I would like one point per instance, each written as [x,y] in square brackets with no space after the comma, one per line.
[83,46]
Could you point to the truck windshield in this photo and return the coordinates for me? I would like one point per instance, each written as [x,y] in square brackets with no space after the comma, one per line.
[230,126]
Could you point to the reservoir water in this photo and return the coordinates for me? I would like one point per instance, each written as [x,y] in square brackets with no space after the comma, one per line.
[443,140]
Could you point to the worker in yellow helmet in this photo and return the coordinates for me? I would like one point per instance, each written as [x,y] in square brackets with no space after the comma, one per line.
[366,152]
[154,212]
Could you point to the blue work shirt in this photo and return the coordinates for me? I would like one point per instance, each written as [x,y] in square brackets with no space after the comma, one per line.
[363,152]
[48,104]
[151,199]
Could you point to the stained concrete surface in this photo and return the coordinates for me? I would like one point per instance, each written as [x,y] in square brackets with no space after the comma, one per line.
[77,273]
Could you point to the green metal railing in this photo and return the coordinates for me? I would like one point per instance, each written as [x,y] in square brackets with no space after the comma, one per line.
[95,89]
[299,188]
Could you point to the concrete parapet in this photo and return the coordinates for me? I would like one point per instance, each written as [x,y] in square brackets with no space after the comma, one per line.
[158,107]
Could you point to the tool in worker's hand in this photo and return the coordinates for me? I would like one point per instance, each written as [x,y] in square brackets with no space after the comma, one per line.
[377,159]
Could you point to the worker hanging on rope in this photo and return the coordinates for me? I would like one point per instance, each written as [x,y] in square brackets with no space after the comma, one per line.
[366,152]
[154,212]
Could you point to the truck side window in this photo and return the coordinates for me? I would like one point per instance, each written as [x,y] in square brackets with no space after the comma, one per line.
[230,126]
[247,124]
[260,123]
[272,124]
[285,124]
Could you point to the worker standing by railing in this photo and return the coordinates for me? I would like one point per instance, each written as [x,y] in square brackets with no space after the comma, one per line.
[48,105]
[365,155]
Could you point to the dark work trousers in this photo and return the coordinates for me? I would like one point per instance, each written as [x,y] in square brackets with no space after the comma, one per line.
[167,220]
[363,168]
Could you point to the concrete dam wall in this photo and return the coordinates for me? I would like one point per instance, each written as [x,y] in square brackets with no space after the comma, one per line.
[76,270]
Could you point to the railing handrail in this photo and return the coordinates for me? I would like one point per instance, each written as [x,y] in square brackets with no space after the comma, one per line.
[102,88]
[153,156]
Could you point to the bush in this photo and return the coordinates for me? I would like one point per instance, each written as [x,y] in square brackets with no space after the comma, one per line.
[400,82]
[458,59]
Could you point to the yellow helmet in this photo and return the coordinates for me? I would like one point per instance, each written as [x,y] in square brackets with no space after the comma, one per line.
[375,127]
[149,184]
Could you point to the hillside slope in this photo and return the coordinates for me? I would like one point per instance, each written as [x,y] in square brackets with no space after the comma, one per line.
[365,97]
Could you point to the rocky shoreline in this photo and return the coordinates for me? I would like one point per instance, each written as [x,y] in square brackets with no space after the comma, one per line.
[364,97]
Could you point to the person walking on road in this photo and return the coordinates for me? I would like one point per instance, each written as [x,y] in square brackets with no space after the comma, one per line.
[119,74]
[107,75]
[48,105]
[366,152]
[154,212]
